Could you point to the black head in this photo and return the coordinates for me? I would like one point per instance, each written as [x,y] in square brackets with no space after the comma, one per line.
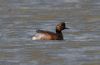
[61,26]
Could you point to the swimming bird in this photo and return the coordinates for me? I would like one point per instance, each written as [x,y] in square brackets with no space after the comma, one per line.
[47,35]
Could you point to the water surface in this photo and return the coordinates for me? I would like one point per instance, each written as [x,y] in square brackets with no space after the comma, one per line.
[19,19]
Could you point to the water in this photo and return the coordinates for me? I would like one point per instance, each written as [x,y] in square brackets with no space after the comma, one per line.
[19,19]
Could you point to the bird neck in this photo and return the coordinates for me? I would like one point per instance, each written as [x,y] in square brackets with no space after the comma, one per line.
[58,31]
[59,34]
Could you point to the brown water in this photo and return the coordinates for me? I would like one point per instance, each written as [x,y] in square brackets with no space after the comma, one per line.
[19,19]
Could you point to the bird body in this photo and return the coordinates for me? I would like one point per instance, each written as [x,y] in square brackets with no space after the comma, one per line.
[47,35]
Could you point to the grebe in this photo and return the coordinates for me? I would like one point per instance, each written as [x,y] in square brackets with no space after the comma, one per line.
[47,35]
